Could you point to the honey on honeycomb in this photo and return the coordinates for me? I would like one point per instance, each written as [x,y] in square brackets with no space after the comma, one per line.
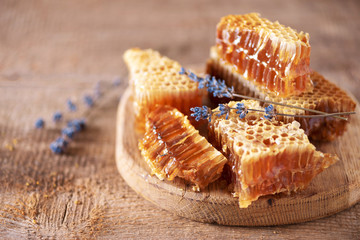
[266,53]
[172,147]
[265,157]
[155,79]
[326,97]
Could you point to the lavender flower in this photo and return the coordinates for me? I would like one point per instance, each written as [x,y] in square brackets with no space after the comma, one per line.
[193,77]
[217,87]
[56,147]
[77,124]
[71,106]
[201,113]
[224,109]
[62,142]
[269,112]
[182,71]
[204,83]
[39,123]
[88,100]
[57,116]
[59,145]
[68,131]
[241,110]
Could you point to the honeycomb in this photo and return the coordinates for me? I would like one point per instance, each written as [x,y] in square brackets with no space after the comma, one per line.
[155,79]
[266,53]
[326,97]
[172,147]
[266,157]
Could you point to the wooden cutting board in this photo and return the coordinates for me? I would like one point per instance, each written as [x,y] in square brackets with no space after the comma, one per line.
[334,190]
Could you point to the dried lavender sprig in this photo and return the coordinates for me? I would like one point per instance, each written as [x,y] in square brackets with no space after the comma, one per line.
[206,113]
[219,89]
[59,145]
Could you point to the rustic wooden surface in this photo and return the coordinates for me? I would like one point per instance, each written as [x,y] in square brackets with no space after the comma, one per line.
[52,50]
[215,204]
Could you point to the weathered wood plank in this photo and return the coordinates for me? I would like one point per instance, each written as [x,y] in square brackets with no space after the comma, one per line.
[50,51]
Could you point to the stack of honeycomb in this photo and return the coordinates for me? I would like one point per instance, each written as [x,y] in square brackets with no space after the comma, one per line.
[155,79]
[265,53]
[259,59]
[266,157]
[326,97]
[172,147]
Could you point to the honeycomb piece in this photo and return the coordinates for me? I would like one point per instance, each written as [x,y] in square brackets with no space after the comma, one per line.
[155,79]
[266,157]
[172,147]
[326,97]
[266,53]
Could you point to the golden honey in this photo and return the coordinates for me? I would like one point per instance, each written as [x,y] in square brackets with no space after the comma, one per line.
[265,53]
[265,157]
[172,147]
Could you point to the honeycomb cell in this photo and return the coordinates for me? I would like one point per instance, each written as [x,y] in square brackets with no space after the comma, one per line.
[249,137]
[274,137]
[266,53]
[267,142]
[250,131]
[267,128]
[267,164]
[172,147]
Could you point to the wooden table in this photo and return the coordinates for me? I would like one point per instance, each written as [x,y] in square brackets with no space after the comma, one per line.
[52,51]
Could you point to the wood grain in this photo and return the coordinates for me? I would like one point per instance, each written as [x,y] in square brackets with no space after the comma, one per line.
[52,50]
[334,190]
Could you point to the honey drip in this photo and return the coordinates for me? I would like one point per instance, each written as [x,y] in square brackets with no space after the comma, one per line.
[266,53]
[172,147]
[326,97]
[266,157]
[155,79]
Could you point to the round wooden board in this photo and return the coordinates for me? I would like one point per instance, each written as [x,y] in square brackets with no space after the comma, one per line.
[334,190]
